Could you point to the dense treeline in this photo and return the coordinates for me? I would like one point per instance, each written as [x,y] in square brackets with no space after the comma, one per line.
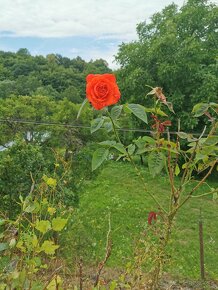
[54,75]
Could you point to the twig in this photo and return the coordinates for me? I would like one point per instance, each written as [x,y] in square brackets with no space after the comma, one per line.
[51,277]
[205,194]
[107,254]
[33,184]
[80,274]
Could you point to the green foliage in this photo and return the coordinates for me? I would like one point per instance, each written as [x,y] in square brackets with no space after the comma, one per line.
[16,165]
[177,49]
[30,239]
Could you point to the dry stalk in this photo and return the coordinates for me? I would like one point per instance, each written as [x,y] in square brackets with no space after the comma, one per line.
[107,253]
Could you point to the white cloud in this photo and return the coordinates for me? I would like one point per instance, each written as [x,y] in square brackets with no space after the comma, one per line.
[61,18]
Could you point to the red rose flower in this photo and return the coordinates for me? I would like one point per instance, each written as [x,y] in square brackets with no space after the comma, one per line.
[102,90]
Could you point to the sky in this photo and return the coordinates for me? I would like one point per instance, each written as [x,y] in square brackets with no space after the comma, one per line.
[91,29]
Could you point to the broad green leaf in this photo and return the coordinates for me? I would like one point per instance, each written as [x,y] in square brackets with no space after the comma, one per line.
[156,161]
[148,139]
[80,109]
[99,157]
[49,247]
[58,224]
[120,147]
[200,156]
[108,126]
[96,124]
[177,170]
[107,143]
[211,140]
[43,226]
[138,111]
[116,111]
[131,149]
[142,150]
[3,246]
[200,109]
[184,135]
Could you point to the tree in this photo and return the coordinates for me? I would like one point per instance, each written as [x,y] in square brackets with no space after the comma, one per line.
[177,51]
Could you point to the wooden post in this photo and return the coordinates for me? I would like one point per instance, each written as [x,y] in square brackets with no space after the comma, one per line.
[201,240]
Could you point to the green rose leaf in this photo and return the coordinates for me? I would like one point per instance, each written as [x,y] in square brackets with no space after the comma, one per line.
[200,109]
[156,161]
[138,111]
[96,124]
[116,111]
[107,143]
[108,126]
[99,157]
[120,147]
[131,149]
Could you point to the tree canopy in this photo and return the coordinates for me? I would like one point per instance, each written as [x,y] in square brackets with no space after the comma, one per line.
[54,75]
[176,50]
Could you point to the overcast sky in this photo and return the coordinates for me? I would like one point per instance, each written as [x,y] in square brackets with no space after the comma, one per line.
[88,28]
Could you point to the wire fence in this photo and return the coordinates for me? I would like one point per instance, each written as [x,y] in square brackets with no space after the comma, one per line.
[80,126]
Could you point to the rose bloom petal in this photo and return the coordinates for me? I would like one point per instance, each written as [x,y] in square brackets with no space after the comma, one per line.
[102,90]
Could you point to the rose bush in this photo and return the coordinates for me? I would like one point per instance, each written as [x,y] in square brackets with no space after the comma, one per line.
[163,153]
[102,90]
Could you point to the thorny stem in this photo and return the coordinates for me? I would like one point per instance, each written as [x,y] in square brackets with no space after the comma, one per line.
[171,174]
[161,256]
[135,167]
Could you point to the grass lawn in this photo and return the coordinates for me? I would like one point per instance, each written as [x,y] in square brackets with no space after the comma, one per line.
[118,191]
